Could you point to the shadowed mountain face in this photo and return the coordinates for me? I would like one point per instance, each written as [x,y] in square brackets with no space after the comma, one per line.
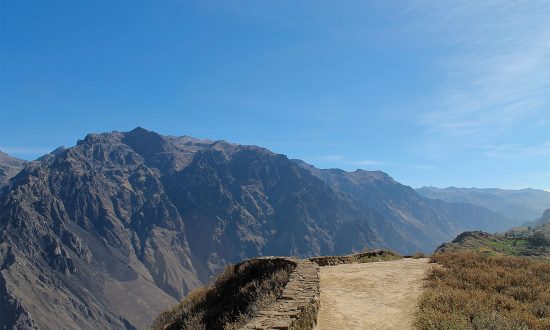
[9,167]
[524,204]
[109,232]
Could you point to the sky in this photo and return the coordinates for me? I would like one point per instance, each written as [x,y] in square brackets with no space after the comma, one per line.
[441,93]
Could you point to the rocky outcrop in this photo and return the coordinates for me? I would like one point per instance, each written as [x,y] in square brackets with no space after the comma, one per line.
[466,240]
[9,167]
[298,305]
[471,235]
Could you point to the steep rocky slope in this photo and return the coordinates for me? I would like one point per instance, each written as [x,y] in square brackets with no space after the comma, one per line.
[109,232]
[9,167]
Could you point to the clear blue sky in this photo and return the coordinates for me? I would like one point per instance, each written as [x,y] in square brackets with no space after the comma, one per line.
[433,92]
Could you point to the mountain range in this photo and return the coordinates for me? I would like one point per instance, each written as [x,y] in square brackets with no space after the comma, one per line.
[109,232]
[523,205]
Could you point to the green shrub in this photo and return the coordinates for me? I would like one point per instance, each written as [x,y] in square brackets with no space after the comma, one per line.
[538,239]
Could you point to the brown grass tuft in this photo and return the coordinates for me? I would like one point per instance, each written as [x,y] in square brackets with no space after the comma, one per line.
[476,291]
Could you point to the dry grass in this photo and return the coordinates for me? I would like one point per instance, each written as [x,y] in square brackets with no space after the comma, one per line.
[307,318]
[418,255]
[235,296]
[476,291]
[363,257]
[382,255]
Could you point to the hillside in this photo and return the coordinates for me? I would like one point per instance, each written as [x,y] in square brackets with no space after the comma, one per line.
[486,281]
[473,290]
[518,241]
[524,204]
[109,232]
[495,245]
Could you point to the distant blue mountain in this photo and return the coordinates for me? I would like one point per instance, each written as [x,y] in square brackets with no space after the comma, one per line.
[523,204]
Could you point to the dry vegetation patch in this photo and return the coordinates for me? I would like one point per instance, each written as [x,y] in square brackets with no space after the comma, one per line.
[235,297]
[473,290]
[362,257]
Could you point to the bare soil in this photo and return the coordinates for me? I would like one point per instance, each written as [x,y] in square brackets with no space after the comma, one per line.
[378,295]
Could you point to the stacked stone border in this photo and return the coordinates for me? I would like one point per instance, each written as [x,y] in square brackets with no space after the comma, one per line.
[297,306]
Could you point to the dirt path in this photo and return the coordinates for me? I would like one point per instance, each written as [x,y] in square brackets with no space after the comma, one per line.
[377,295]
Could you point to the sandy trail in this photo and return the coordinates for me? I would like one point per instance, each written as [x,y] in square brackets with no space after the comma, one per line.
[377,295]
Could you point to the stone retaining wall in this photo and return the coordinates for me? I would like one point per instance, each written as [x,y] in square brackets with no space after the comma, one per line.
[298,305]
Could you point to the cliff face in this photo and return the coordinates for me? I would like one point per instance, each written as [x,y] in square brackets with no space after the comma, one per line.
[9,167]
[109,232]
